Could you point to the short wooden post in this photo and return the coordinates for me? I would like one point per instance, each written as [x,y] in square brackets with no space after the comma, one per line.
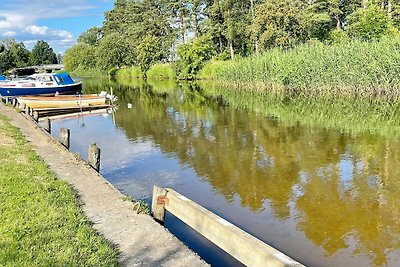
[7,100]
[158,203]
[112,96]
[94,157]
[36,116]
[47,125]
[14,102]
[64,137]
[23,106]
[27,110]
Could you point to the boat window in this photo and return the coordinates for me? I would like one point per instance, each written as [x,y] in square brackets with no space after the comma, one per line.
[59,79]
[47,79]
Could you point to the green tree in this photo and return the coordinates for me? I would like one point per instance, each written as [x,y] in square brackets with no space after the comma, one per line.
[180,14]
[7,61]
[135,22]
[91,36]
[19,53]
[13,55]
[117,19]
[215,24]
[368,23]
[42,54]
[193,55]
[148,53]
[113,51]
[237,18]
[81,56]
[280,23]
[322,17]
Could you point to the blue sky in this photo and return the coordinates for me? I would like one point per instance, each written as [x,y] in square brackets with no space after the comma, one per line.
[58,22]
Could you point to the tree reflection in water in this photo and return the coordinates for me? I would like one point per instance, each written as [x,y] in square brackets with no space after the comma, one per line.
[340,187]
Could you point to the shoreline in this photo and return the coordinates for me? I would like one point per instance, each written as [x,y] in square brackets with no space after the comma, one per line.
[139,239]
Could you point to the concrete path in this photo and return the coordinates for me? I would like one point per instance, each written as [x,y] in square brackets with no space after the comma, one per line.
[141,241]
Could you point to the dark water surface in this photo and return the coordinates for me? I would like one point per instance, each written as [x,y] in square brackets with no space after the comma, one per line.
[326,196]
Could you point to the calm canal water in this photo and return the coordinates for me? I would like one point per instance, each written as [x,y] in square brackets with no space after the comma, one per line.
[323,195]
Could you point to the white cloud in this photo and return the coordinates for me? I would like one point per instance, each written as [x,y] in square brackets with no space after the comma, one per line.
[10,34]
[36,30]
[19,20]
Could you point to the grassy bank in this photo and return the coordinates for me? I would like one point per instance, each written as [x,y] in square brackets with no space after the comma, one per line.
[356,68]
[41,222]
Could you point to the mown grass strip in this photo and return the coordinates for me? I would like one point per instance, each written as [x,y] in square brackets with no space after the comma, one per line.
[41,222]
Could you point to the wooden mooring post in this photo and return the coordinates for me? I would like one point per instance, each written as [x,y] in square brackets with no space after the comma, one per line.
[244,247]
[14,102]
[36,116]
[65,137]
[47,125]
[158,203]
[94,157]
[27,110]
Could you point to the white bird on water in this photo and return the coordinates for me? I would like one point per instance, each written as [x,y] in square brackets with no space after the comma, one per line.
[129,105]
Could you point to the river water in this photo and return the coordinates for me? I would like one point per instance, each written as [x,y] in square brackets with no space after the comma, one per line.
[322,189]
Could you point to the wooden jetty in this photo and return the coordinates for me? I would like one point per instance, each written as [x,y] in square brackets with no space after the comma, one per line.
[50,112]
[63,112]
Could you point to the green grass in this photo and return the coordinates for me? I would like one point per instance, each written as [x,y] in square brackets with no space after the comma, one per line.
[156,72]
[41,222]
[129,73]
[353,68]
[161,72]
[212,69]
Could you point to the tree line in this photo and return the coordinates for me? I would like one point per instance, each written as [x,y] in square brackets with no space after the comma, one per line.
[190,32]
[15,55]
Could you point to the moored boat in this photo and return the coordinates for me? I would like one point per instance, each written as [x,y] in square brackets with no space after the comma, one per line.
[2,78]
[40,84]
[62,101]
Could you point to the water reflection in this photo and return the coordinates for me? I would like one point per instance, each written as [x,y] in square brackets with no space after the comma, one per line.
[324,196]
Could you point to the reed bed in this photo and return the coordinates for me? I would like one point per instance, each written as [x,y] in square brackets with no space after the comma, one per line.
[354,68]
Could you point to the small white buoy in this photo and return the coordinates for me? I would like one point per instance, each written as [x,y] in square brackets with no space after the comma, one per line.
[129,105]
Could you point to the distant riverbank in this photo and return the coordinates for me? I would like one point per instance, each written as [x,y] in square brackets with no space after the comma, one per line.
[368,69]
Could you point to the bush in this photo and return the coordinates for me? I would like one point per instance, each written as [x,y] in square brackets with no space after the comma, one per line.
[192,57]
[368,23]
[129,73]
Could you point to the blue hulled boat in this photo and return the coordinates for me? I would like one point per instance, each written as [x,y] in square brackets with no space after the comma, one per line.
[2,78]
[40,84]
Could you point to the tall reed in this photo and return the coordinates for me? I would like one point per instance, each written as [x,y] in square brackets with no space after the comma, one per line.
[356,68]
